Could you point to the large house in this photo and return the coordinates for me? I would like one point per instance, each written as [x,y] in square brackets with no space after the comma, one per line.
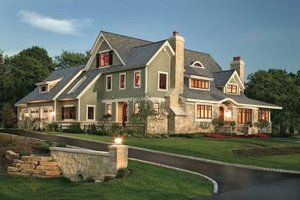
[187,87]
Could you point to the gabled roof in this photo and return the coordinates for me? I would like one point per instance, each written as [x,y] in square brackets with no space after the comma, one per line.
[222,77]
[65,74]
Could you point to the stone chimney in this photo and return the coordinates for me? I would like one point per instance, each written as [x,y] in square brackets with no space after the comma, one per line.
[177,69]
[239,65]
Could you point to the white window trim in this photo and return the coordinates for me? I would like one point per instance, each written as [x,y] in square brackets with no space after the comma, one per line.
[69,120]
[40,88]
[86,113]
[167,81]
[197,62]
[124,73]
[237,89]
[193,88]
[110,83]
[100,52]
[137,71]
[202,119]
[134,102]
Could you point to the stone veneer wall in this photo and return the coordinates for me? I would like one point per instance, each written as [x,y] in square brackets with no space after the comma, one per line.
[82,164]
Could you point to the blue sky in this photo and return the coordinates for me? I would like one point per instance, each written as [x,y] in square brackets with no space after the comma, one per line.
[265,33]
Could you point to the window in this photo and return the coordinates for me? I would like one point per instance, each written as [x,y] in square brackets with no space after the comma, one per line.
[108,109]
[122,84]
[90,112]
[244,115]
[162,81]
[199,84]
[43,88]
[136,107]
[204,112]
[231,89]
[197,64]
[108,82]
[156,107]
[137,79]
[264,114]
[68,113]
[104,59]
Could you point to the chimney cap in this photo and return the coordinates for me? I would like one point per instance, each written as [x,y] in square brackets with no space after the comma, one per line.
[175,33]
[237,58]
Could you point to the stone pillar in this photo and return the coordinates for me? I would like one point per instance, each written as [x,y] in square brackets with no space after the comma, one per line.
[118,158]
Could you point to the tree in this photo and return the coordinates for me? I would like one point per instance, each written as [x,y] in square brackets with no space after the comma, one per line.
[278,87]
[20,73]
[71,59]
[145,114]
[9,116]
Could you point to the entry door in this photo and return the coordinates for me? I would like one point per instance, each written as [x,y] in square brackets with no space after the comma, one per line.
[221,112]
[125,114]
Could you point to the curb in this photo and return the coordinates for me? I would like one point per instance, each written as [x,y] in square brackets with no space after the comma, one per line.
[216,186]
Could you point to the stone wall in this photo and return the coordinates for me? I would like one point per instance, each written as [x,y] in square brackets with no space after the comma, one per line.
[34,166]
[85,165]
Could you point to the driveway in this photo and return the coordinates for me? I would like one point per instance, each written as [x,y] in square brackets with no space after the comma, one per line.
[234,182]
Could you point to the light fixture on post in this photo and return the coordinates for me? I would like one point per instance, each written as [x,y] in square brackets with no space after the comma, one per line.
[118,140]
[228,114]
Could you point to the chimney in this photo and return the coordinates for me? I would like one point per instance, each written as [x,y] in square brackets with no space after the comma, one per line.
[177,69]
[239,65]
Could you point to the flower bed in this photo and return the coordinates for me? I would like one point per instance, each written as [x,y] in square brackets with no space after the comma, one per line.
[223,136]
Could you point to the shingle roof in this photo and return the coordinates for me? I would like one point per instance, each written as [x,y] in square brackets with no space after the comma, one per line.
[222,77]
[66,75]
[216,94]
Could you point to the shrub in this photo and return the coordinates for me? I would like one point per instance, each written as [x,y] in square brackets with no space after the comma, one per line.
[24,153]
[107,117]
[115,128]
[29,123]
[9,119]
[218,122]
[53,126]
[123,173]
[74,128]
[92,129]
[262,124]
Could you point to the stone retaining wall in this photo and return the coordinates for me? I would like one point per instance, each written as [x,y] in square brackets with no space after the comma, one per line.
[35,166]
[85,165]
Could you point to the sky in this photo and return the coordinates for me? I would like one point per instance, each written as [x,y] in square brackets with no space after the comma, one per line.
[264,33]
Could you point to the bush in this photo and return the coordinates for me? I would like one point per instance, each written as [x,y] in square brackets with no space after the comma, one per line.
[92,129]
[29,123]
[123,173]
[115,128]
[74,128]
[24,153]
[107,117]
[218,122]
[53,126]
[9,119]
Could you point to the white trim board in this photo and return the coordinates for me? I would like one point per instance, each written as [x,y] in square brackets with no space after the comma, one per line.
[88,86]
[86,112]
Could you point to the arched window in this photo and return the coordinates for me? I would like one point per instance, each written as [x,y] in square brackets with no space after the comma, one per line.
[197,64]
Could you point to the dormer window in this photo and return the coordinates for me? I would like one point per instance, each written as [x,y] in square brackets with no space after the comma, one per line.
[104,59]
[43,88]
[199,84]
[232,89]
[197,64]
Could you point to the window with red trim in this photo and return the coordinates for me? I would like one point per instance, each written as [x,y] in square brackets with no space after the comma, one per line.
[162,81]
[122,81]
[137,79]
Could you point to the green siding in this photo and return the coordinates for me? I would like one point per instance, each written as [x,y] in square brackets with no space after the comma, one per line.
[89,98]
[162,62]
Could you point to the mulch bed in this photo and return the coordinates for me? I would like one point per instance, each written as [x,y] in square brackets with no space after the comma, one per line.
[222,136]
[270,151]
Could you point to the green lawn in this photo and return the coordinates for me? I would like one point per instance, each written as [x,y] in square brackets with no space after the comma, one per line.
[146,182]
[214,149]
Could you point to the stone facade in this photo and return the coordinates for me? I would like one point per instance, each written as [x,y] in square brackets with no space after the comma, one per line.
[84,165]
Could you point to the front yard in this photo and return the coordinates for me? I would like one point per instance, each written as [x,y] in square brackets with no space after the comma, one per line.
[221,150]
[146,182]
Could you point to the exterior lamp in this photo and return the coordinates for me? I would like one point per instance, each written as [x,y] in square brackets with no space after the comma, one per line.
[118,140]
[26,114]
[228,114]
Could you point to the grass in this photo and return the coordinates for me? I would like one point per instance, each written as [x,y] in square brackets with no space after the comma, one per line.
[214,149]
[146,182]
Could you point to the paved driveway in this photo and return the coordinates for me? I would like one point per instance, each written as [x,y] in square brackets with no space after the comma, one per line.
[234,183]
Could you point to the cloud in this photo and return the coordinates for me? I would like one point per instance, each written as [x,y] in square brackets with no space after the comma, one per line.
[60,26]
